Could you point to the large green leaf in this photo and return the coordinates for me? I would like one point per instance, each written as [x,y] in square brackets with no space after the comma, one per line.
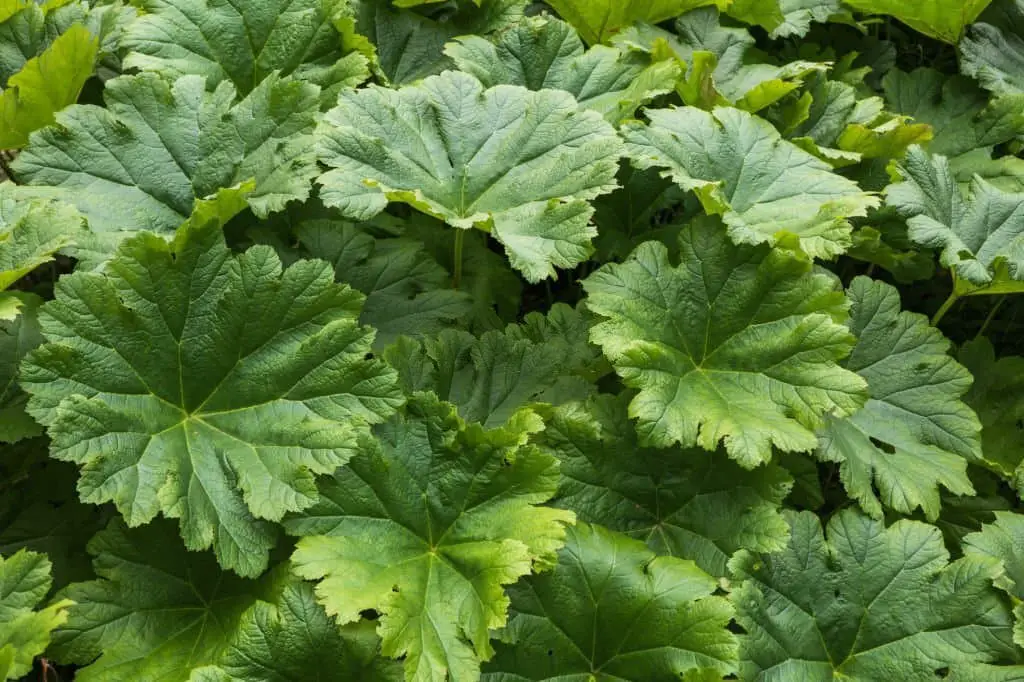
[599,20]
[868,603]
[409,44]
[426,527]
[691,503]
[45,85]
[289,637]
[25,633]
[158,147]
[980,234]
[942,19]
[791,192]
[244,42]
[516,163]
[997,395]
[1003,540]
[737,343]
[915,433]
[541,52]
[993,49]
[155,612]
[612,611]
[208,387]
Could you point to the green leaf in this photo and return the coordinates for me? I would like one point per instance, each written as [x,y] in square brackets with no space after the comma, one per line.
[737,343]
[689,503]
[144,161]
[784,18]
[962,116]
[868,603]
[792,193]
[516,163]
[290,637]
[155,612]
[979,234]
[1003,541]
[245,42]
[208,387]
[942,19]
[915,433]
[599,20]
[997,395]
[407,292]
[410,45]
[32,232]
[720,62]
[492,377]
[46,85]
[17,338]
[646,206]
[426,527]
[611,610]
[879,246]
[541,52]
[24,632]
[993,49]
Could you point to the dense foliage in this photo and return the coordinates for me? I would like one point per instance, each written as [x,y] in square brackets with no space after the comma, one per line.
[459,340]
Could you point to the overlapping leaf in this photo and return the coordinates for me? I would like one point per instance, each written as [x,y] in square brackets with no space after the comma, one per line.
[155,611]
[31,233]
[289,637]
[997,395]
[737,343]
[426,527]
[599,20]
[980,234]
[993,49]
[915,433]
[24,632]
[688,503]
[863,602]
[245,42]
[17,338]
[647,619]
[739,166]
[1003,540]
[409,44]
[492,377]
[46,84]
[206,387]
[541,52]
[516,163]
[942,19]
[784,18]
[967,126]
[407,291]
[720,64]
[158,147]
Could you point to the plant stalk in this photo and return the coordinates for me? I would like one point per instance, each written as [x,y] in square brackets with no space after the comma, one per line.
[460,238]
[991,315]
[953,298]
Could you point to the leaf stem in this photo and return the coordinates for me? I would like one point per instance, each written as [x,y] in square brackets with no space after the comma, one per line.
[953,298]
[991,315]
[460,238]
